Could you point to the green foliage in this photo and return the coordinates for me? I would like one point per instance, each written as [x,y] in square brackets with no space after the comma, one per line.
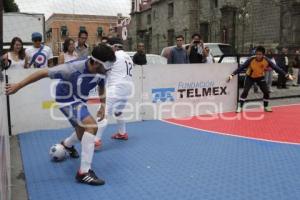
[10,6]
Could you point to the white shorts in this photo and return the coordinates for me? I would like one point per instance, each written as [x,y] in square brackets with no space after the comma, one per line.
[118,92]
[116,99]
[115,106]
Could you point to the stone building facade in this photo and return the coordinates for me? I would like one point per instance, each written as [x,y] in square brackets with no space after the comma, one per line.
[241,23]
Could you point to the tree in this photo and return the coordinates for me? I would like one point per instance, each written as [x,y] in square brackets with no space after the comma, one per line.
[10,6]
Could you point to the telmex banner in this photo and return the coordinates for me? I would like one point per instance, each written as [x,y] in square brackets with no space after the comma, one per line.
[159,92]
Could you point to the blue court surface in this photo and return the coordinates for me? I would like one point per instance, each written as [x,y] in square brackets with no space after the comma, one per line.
[161,161]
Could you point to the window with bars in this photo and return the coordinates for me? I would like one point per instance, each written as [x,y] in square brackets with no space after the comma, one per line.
[171,37]
[149,19]
[171,10]
[64,31]
[82,28]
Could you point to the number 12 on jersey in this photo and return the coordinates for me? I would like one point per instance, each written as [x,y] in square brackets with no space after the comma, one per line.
[129,68]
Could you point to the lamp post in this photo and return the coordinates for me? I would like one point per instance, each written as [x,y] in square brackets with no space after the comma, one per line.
[146,39]
[157,43]
[213,27]
[243,17]
[185,30]
[224,35]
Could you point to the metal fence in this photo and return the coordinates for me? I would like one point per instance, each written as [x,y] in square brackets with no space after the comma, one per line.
[5,181]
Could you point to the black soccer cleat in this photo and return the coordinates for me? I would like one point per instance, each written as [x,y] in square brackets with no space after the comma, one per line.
[89,178]
[71,150]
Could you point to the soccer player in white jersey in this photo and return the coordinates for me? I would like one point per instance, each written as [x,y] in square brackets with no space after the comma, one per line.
[77,79]
[119,87]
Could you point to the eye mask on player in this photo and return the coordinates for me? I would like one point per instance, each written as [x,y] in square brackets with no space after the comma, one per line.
[107,65]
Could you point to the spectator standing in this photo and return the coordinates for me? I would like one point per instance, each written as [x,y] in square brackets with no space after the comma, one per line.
[283,63]
[16,55]
[69,52]
[196,49]
[139,57]
[296,67]
[209,58]
[81,48]
[269,70]
[39,55]
[178,55]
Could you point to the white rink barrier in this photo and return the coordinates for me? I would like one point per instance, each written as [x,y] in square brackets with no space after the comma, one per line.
[160,92]
[180,91]
[33,107]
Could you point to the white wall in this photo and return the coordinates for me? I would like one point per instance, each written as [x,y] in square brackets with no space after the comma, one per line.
[192,79]
[22,25]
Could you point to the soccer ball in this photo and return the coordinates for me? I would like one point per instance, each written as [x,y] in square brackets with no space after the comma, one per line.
[58,152]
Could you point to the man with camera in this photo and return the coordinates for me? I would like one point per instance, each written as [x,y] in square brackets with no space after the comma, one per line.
[196,49]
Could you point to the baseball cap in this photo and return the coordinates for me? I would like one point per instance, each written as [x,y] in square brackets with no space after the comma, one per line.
[36,35]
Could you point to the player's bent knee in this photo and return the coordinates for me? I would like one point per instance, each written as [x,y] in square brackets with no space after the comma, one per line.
[90,125]
[93,129]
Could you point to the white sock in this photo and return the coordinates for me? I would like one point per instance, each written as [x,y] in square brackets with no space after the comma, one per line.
[121,126]
[87,151]
[101,127]
[71,140]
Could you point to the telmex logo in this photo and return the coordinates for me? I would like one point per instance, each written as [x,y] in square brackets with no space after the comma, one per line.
[202,92]
[167,94]
[162,94]
[200,89]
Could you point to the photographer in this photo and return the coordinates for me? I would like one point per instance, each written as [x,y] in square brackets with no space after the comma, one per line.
[196,49]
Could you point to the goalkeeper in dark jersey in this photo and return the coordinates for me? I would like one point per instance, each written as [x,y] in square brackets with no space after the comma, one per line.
[256,67]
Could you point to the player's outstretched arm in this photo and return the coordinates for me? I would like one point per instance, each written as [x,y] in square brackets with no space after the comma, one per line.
[240,69]
[14,87]
[230,77]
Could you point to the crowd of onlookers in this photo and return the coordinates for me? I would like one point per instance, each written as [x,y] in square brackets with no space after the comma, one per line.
[284,62]
[195,52]
[39,55]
